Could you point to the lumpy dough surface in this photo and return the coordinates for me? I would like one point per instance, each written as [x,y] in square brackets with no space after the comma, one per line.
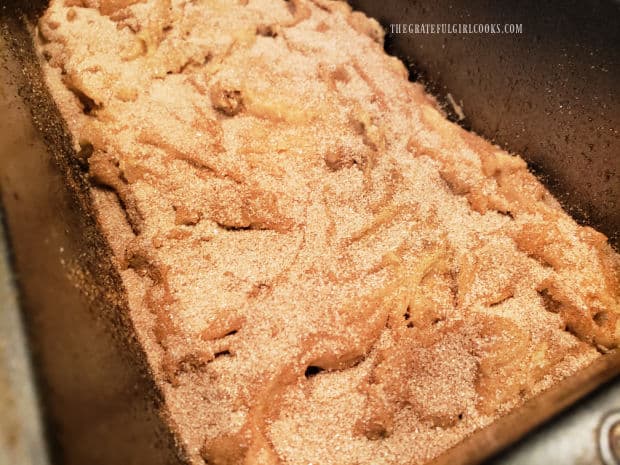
[321,268]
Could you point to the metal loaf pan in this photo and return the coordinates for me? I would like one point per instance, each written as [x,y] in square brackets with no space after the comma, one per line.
[549,94]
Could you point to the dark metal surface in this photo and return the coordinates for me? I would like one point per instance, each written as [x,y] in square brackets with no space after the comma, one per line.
[550,93]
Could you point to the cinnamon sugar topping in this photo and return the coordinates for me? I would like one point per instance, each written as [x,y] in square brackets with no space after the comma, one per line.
[321,267]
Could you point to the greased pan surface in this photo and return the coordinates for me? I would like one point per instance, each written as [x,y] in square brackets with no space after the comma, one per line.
[549,94]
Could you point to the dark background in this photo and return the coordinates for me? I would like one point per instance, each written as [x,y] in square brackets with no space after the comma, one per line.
[549,94]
